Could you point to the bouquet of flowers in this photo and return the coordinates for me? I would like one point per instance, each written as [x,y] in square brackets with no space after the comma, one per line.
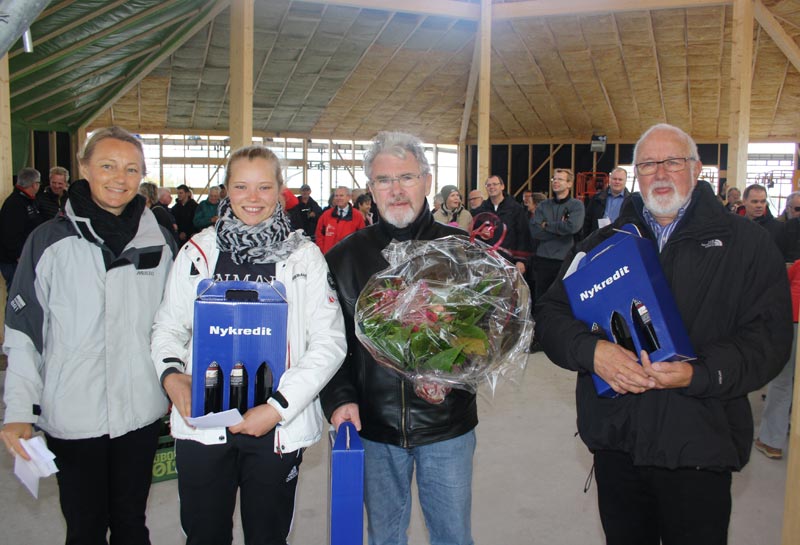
[445,313]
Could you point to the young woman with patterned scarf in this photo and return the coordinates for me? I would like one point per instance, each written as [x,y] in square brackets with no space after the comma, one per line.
[252,240]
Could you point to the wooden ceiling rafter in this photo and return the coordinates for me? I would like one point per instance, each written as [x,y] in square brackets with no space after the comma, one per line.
[61,30]
[209,10]
[93,73]
[257,77]
[70,100]
[361,128]
[125,23]
[413,95]
[200,79]
[654,48]
[455,101]
[501,59]
[440,8]
[568,74]
[383,67]
[297,62]
[322,71]
[540,74]
[720,80]
[472,85]
[687,73]
[56,6]
[549,8]
[602,86]
[773,28]
[88,60]
[365,52]
[780,91]
[621,48]
[83,107]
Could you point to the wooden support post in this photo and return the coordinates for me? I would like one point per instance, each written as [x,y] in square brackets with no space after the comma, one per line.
[6,158]
[741,88]
[484,92]
[240,99]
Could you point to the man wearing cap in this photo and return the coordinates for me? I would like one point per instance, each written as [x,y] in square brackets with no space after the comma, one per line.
[309,211]
[452,211]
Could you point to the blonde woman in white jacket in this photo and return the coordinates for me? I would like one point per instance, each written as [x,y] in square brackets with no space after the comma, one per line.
[260,456]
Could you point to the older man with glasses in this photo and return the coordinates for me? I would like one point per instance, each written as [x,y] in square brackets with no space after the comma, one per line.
[399,429]
[664,450]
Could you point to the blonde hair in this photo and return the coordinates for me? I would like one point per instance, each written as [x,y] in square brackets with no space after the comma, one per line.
[250,153]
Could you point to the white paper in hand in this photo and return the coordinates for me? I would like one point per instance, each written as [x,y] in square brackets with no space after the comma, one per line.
[231,417]
[39,466]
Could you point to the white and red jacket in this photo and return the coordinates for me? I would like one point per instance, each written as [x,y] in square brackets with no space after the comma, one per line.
[316,339]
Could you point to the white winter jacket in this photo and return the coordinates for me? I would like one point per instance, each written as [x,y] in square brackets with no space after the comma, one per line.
[315,336]
[77,331]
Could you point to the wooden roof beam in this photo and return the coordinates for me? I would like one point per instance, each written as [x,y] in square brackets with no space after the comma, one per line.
[445,8]
[524,8]
[541,8]
[71,25]
[180,37]
[781,38]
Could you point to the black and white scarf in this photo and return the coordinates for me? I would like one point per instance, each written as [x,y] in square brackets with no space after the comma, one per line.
[270,241]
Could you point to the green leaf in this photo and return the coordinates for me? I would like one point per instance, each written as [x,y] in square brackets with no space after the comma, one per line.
[444,360]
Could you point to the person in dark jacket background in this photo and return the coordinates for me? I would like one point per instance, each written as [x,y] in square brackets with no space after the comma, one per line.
[398,428]
[606,204]
[52,198]
[664,450]
[19,216]
[517,244]
[183,212]
[309,211]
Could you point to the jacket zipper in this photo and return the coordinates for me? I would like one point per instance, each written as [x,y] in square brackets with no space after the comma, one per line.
[403,413]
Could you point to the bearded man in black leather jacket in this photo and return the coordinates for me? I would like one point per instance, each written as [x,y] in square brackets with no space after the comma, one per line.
[398,428]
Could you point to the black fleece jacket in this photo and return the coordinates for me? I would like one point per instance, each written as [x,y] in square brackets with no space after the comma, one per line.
[731,288]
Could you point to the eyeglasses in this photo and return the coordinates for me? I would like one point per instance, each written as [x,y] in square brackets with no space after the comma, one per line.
[382,183]
[562,180]
[673,164]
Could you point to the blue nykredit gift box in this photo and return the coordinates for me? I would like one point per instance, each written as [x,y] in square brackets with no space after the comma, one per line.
[619,290]
[346,517]
[238,322]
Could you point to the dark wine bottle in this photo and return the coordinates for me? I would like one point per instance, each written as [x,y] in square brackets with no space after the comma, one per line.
[644,327]
[263,384]
[212,402]
[621,333]
[238,388]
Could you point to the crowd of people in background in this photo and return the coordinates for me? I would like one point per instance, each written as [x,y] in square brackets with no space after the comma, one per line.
[677,437]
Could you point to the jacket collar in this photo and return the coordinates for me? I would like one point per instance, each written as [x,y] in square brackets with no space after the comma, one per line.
[413,231]
[704,217]
[148,234]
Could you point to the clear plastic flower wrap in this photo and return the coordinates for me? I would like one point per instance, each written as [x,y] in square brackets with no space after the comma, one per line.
[446,313]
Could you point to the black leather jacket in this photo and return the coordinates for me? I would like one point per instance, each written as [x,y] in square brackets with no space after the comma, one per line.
[390,411]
